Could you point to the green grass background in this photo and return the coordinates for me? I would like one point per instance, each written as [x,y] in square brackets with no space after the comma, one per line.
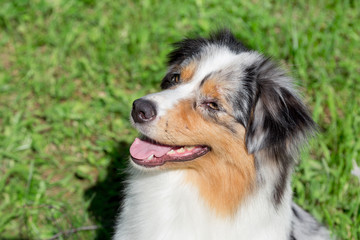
[70,69]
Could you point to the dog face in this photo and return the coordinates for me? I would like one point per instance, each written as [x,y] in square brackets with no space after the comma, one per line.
[227,115]
[197,110]
[218,98]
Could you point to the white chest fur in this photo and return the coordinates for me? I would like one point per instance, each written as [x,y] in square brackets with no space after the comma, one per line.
[161,205]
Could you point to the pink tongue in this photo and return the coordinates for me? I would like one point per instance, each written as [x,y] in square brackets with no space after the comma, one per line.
[142,149]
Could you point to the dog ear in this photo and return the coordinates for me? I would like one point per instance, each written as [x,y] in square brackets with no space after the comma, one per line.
[278,119]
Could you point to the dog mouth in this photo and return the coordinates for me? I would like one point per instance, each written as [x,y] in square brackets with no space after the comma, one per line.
[149,153]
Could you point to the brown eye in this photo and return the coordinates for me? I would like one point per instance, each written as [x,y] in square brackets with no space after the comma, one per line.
[171,79]
[213,106]
[175,78]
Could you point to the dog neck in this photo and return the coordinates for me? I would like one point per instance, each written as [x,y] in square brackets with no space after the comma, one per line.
[171,204]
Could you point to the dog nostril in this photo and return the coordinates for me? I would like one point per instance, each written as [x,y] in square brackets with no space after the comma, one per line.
[145,116]
[142,115]
[143,111]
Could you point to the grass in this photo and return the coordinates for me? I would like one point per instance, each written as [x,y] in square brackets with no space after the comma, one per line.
[69,71]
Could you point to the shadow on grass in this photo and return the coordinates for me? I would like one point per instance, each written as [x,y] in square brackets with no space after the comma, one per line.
[107,195]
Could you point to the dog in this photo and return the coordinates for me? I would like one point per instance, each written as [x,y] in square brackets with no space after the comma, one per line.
[217,149]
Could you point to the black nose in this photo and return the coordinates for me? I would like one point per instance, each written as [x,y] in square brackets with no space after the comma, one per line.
[143,111]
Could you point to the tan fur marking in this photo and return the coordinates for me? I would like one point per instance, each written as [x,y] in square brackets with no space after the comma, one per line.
[188,72]
[226,174]
[211,88]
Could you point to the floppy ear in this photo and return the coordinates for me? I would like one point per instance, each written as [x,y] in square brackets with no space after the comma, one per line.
[278,118]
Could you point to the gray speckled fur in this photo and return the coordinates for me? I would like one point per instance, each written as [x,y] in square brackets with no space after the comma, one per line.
[304,226]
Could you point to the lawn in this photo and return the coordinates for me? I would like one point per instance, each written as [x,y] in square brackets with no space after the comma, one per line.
[70,69]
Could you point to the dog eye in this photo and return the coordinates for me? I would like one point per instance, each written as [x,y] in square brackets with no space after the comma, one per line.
[213,106]
[175,78]
[171,79]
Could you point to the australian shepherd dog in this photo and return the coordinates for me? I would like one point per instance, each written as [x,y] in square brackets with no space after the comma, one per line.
[217,149]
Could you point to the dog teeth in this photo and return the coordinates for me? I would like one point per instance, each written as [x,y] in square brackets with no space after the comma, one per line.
[150,157]
[180,150]
[171,152]
[189,148]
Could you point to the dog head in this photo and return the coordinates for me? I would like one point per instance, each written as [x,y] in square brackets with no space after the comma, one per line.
[222,100]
